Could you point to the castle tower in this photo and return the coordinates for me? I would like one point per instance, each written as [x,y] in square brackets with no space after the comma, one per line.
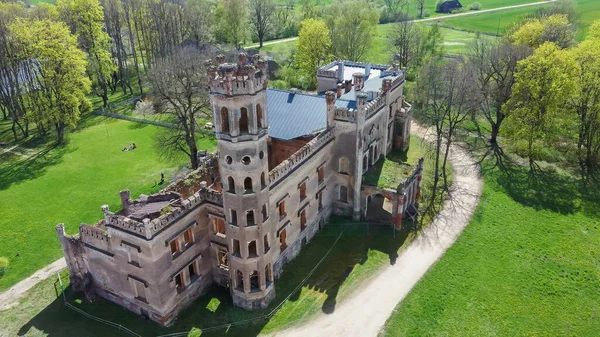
[238,100]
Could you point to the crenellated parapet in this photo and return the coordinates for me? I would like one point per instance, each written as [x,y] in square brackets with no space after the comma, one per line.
[172,212]
[375,105]
[241,78]
[300,157]
[346,115]
[94,236]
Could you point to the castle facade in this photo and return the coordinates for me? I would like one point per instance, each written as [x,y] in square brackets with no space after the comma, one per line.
[286,162]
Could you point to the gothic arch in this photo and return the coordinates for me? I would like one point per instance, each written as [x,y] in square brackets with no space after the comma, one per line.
[224,119]
[259,116]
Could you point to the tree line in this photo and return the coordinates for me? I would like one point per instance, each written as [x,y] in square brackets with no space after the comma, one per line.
[536,89]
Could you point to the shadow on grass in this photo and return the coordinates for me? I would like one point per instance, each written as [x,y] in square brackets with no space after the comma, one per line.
[21,169]
[354,248]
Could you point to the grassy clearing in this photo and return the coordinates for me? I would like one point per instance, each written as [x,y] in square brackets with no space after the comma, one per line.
[526,265]
[358,255]
[393,169]
[69,184]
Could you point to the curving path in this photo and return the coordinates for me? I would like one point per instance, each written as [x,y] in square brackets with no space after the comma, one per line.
[365,312]
[10,297]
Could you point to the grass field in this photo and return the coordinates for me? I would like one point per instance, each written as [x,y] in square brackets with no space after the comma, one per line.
[498,22]
[526,265]
[47,185]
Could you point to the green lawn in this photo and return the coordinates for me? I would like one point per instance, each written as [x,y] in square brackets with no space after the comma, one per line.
[393,169]
[498,22]
[526,265]
[69,184]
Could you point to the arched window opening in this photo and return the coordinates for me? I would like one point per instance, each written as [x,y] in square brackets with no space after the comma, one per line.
[243,122]
[343,194]
[224,119]
[263,181]
[344,165]
[259,116]
[230,185]
[248,185]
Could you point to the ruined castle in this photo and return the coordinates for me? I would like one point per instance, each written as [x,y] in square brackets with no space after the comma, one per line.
[286,162]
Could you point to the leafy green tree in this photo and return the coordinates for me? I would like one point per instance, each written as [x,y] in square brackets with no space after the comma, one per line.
[586,102]
[231,16]
[538,105]
[535,32]
[61,88]
[85,18]
[352,26]
[314,46]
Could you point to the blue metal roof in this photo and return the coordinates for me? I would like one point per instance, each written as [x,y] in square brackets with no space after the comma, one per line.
[292,115]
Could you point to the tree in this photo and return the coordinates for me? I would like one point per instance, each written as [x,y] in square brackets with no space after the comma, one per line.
[85,18]
[586,103]
[393,10]
[261,16]
[446,100]
[61,89]
[180,87]
[12,67]
[543,84]
[314,45]
[420,8]
[406,36]
[231,16]
[535,32]
[494,67]
[352,26]
[200,19]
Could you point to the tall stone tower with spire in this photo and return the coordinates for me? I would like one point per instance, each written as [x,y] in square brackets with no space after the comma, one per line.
[238,100]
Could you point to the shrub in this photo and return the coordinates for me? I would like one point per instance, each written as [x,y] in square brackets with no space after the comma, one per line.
[475,6]
[195,332]
[3,266]
[426,13]
[144,107]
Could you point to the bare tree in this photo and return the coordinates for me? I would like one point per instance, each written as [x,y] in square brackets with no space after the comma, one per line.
[405,39]
[261,15]
[420,8]
[494,67]
[180,87]
[446,100]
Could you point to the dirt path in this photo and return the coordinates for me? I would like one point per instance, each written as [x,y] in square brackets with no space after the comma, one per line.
[10,297]
[365,312]
[435,18]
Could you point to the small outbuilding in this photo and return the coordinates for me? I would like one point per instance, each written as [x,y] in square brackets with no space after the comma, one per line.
[448,6]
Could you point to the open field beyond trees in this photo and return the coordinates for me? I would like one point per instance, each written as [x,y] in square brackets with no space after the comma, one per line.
[498,22]
[43,185]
